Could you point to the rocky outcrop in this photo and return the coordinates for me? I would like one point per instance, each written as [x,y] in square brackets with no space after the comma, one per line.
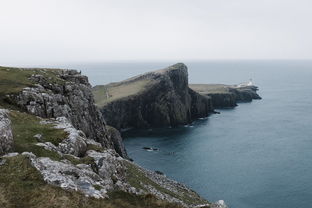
[81,177]
[245,94]
[164,100]
[223,96]
[6,136]
[76,142]
[67,94]
[114,135]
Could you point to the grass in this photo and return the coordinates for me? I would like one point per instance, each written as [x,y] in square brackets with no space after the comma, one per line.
[95,148]
[83,160]
[13,80]
[136,178]
[21,185]
[104,94]
[26,126]
[210,88]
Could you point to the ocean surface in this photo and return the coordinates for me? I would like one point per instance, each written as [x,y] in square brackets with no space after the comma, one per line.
[257,155]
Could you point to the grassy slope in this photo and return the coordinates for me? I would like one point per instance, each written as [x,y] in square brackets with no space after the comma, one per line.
[22,186]
[104,94]
[136,177]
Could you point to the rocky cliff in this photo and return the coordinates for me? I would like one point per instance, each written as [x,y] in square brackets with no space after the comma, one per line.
[226,95]
[155,99]
[59,153]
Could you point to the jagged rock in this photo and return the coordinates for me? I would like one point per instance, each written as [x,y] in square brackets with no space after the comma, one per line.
[115,136]
[155,99]
[219,204]
[110,166]
[6,135]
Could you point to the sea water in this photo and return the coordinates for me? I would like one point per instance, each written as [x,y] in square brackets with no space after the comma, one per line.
[257,155]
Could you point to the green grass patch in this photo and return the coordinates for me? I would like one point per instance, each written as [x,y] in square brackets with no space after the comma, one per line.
[104,94]
[95,148]
[26,126]
[83,160]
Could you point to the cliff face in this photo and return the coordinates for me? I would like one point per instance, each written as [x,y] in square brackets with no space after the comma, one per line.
[223,96]
[163,100]
[65,93]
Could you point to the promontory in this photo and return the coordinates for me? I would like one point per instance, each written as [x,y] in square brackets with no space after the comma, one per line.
[165,98]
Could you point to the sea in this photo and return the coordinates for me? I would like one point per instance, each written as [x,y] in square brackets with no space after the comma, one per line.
[256,155]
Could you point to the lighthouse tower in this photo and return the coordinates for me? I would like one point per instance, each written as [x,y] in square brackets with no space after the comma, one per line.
[250,83]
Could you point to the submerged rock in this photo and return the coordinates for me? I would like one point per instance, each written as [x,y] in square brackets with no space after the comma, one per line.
[6,135]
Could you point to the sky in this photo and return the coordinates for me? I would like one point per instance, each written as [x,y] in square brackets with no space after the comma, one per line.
[56,31]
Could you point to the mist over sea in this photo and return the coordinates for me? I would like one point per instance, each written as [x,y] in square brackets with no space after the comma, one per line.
[257,155]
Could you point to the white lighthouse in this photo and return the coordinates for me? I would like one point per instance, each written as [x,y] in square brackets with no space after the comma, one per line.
[250,83]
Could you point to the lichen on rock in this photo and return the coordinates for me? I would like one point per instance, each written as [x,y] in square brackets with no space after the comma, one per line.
[6,135]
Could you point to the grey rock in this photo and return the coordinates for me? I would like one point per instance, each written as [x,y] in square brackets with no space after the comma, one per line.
[110,166]
[11,154]
[75,144]
[69,176]
[6,135]
[39,137]
[219,204]
[114,135]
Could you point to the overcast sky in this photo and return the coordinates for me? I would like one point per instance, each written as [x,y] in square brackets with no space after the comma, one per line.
[50,31]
